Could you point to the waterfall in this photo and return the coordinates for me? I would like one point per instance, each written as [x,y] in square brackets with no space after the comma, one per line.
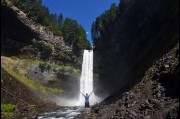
[86,79]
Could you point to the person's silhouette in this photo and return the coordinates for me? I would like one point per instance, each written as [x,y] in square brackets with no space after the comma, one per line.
[87,106]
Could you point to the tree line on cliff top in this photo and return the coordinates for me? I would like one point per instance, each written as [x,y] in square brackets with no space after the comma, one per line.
[72,32]
[102,27]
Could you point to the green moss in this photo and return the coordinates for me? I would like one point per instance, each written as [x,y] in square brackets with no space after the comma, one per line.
[26,61]
[142,88]
[68,69]
[6,114]
[54,90]
[29,83]
[34,85]
[7,110]
[45,48]
[44,66]
[48,90]
[7,107]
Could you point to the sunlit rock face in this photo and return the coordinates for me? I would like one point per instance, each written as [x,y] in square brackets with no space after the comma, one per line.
[18,31]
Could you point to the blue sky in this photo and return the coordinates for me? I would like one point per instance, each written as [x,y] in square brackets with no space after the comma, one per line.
[84,11]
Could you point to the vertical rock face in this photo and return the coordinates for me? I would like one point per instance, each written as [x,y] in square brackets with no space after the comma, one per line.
[145,31]
[14,34]
[23,37]
[17,31]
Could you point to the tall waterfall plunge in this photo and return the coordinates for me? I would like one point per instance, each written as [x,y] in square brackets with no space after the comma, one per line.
[86,84]
[86,79]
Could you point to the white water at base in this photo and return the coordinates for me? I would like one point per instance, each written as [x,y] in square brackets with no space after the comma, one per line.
[86,79]
[86,86]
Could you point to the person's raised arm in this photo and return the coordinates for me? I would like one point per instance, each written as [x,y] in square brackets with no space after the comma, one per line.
[91,93]
[82,94]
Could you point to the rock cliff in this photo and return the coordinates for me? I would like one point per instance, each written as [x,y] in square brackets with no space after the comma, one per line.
[154,97]
[143,32]
[18,31]
[36,65]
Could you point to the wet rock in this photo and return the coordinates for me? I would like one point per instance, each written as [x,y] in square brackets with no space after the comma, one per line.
[156,103]
[146,102]
[166,66]
[158,94]
[143,105]
[123,108]
[133,113]
[162,68]
[133,103]
[126,104]
[96,110]
[146,112]
[147,117]
[127,98]
[155,76]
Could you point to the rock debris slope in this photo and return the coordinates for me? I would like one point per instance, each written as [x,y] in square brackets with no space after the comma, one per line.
[155,97]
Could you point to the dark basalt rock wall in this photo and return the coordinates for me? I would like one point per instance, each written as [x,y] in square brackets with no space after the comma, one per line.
[14,33]
[145,31]
[17,31]
[154,97]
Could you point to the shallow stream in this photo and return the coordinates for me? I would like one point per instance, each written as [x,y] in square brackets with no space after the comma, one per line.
[64,113]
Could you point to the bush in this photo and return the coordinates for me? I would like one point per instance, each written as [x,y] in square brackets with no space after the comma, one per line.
[44,66]
[68,69]
[34,51]
[45,48]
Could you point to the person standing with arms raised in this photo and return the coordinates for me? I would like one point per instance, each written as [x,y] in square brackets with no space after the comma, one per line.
[87,106]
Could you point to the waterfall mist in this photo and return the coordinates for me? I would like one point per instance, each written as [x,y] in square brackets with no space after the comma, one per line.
[86,79]
[86,84]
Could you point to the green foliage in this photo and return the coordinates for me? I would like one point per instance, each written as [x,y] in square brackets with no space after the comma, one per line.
[73,33]
[60,21]
[44,66]
[68,69]
[122,6]
[7,107]
[23,79]
[32,84]
[69,30]
[45,48]
[103,26]
[81,42]
[3,2]
[34,51]
[19,3]
[64,56]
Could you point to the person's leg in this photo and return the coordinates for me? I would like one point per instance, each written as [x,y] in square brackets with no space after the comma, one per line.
[85,107]
[88,109]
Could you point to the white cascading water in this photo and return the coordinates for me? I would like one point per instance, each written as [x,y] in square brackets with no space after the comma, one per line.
[86,80]
[86,86]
